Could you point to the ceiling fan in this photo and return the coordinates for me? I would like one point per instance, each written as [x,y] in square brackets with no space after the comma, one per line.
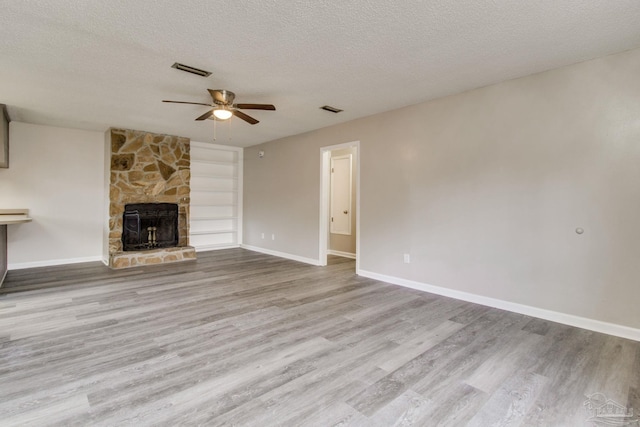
[224,108]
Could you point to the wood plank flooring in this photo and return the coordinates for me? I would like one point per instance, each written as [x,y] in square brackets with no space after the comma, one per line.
[239,338]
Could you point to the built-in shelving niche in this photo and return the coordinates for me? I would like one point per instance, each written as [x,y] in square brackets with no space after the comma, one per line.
[216,196]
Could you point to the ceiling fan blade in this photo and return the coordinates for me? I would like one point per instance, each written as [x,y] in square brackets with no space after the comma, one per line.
[255,106]
[246,118]
[185,102]
[205,115]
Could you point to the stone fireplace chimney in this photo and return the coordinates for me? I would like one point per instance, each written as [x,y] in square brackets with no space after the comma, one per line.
[146,168]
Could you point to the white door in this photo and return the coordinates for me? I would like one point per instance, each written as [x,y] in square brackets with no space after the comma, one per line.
[341,195]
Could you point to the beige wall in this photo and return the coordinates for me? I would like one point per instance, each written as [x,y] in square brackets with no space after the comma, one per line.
[56,173]
[342,242]
[485,190]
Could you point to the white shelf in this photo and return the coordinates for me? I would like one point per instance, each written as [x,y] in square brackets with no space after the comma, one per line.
[215,162]
[216,195]
[201,190]
[224,205]
[212,218]
[202,233]
[216,246]
[204,175]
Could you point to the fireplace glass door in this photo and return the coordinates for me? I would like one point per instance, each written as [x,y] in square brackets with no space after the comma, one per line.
[149,226]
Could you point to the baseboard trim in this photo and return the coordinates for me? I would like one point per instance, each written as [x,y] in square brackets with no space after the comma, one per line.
[282,254]
[52,262]
[541,313]
[342,254]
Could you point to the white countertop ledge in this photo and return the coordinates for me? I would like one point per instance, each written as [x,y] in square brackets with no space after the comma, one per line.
[14,216]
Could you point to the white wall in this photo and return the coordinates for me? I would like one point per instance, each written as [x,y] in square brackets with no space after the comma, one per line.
[56,173]
[485,190]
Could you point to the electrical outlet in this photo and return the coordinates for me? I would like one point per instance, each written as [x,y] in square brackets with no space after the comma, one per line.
[263,235]
[273,237]
[407,258]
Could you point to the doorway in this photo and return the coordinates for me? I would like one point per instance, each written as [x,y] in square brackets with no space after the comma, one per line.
[340,201]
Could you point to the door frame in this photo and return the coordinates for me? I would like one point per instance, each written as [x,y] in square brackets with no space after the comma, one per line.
[325,179]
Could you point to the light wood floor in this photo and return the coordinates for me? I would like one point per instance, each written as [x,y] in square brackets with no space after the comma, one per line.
[241,338]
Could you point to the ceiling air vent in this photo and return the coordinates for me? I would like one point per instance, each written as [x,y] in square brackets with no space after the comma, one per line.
[330,109]
[191,70]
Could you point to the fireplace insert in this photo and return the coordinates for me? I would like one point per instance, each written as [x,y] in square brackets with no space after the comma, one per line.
[149,226]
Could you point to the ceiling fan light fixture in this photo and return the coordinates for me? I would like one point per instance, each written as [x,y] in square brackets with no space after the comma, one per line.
[222,114]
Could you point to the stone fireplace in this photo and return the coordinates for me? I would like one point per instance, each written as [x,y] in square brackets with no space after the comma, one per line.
[149,187]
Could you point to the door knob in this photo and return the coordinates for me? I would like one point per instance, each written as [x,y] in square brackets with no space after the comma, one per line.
[345,212]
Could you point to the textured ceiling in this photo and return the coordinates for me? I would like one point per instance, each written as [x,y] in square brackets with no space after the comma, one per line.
[94,64]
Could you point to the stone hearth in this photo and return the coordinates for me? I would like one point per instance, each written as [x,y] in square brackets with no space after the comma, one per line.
[147,168]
